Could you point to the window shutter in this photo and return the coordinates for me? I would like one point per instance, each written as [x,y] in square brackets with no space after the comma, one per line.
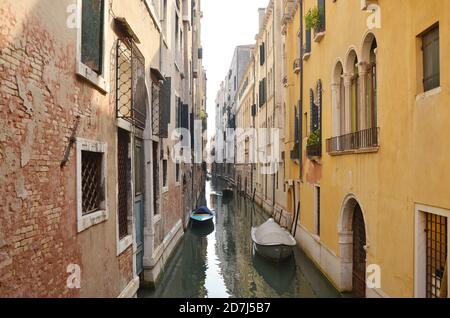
[200,53]
[139,89]
[92,34]
[321,7]
[185,116]
[308,41]
[165,107]
[262,54]
[253,110]
[314,111]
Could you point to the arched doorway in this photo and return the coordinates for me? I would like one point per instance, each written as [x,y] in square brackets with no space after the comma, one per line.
[353,241]
[359,254]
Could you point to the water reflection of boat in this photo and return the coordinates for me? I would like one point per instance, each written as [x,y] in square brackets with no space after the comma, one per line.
[272,241]
[202,230]
[279,276]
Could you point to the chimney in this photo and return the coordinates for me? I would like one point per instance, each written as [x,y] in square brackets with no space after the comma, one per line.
[262,15]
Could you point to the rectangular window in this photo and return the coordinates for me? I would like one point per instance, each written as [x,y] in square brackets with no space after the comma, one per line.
[91,174]
[321,7]
[124,177]
[431,63]
[307,42]
[91,183]
[92,34]
[431,274]
[317,204]
[262,54]
[436,254]
[177,171]
[156,185]
[165,174]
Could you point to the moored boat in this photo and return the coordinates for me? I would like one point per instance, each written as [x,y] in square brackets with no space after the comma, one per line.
[202,215]
[272,241]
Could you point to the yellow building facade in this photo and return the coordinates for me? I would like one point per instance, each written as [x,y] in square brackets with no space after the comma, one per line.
[367,98]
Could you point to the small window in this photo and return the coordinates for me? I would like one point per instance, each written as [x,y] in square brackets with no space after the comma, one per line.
[91,181]
[92,34]
[177,171]
[164,173]
[431,63]
[437,247]
[317,205]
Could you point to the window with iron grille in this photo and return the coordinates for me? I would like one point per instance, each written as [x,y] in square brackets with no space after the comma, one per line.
[436,254]
[431,63]
[156,91]
[124,177]
[131,90]
[91,182]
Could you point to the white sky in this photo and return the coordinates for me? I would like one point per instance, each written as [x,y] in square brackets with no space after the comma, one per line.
[225,25]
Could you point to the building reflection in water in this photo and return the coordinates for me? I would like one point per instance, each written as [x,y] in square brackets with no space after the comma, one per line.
[217,260]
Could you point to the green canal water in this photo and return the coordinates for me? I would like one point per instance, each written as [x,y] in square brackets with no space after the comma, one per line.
[218,261]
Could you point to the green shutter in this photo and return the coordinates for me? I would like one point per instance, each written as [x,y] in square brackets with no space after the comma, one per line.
[92,34]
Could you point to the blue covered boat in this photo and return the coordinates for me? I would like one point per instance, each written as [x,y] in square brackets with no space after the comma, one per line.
[202,215]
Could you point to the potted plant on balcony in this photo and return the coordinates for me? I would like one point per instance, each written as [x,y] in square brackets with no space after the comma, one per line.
[314,146]
[313,22]
[312,19]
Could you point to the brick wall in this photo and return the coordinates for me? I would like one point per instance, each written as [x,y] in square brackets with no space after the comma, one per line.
[40,99]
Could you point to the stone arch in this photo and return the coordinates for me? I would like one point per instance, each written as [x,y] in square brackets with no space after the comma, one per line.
[338,99]
[366,46]
[345,230]
[348,64]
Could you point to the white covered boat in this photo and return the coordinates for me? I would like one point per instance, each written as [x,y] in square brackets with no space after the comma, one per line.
[272,241]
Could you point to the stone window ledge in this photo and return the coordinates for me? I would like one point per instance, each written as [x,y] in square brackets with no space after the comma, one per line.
[93,78]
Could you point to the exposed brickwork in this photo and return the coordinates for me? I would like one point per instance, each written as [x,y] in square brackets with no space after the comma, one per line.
[172,209]
[126,267]
[40,97]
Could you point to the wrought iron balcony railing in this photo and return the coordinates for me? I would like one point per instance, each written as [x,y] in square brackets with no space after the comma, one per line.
[314,151]
[360,140]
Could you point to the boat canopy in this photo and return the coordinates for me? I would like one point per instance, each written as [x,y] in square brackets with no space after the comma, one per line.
[270,234]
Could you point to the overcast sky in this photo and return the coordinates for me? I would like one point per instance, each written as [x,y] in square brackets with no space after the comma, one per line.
[225,25]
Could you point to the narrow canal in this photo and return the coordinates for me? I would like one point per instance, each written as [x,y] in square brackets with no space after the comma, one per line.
[218,261]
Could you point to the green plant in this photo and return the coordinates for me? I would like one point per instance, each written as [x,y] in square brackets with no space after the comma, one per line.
[312,19]
[203,115]
[314,138]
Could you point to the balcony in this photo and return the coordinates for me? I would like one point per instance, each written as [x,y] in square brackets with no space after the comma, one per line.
[297,66]
[314,152]
[358,142]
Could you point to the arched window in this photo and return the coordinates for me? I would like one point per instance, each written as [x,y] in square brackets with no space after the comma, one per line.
[338,100]
[371,87]
[354,93]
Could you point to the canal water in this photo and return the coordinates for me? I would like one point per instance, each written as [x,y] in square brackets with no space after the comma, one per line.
[218,261]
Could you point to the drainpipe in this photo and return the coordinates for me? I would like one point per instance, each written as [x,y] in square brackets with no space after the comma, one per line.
[274,98]
[254,121]
[301,117]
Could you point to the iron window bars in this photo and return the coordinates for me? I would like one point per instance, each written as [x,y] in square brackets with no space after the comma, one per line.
[131,91]
[436,256]
[92,187]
